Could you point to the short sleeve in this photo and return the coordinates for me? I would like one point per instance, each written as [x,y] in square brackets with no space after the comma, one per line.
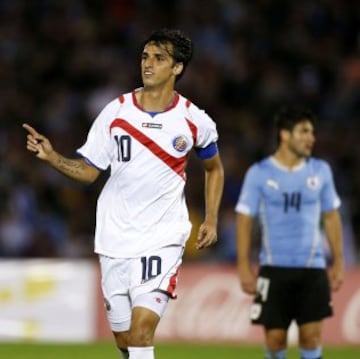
[250,194]
[96,149]
[330,200]
[206,127]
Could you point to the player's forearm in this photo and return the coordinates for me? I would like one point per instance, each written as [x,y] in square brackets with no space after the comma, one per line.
[243,231]
[333,231]
[214,183]
[76,169]
[246,273]
[243,252]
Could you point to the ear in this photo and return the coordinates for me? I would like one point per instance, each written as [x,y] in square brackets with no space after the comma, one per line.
[284,135]
[178,68]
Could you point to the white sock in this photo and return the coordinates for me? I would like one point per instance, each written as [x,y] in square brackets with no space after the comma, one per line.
[141,353]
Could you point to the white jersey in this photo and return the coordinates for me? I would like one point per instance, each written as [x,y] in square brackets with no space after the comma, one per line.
[142,205]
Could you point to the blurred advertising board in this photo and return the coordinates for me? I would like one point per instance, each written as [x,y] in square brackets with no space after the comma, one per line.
[60,300]
[47,300]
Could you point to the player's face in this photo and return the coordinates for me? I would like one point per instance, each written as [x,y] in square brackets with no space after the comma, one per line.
[158,66]
[302,138]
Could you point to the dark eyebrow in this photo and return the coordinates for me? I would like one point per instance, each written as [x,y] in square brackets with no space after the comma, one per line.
[162,49]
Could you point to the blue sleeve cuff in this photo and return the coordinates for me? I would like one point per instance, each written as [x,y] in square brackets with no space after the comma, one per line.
[207,152]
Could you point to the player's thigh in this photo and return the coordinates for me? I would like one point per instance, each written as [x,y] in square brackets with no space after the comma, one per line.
[118,311]
[154,301]
[147,310]
[114,283]
[156,272]
[272,305]
[314,297]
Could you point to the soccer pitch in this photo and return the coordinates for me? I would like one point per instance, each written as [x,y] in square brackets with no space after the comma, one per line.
[162,351]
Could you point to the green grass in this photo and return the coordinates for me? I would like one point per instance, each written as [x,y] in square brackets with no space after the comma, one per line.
[107,350]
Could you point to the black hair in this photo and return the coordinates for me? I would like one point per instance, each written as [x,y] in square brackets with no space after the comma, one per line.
[288,117]
[182,45]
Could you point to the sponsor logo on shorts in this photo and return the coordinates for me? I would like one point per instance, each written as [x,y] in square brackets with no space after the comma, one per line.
[255,311]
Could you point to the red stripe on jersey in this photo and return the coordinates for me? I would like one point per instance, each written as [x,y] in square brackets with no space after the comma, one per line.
[188,103]
[193,130]
[136,103]
[122,99]
[175,102]
[172,285]
[176,164]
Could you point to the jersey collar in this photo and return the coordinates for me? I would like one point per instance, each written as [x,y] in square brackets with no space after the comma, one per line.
[170,107]
[279,165]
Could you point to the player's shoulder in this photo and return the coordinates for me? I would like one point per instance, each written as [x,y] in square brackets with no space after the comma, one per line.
[259,167]
[122,102]
[115,103]
[124,99]
[187,103]
[263,164]
[193,111]
[318,163]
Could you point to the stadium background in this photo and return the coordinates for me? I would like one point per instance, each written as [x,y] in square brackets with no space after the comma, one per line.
[60,62]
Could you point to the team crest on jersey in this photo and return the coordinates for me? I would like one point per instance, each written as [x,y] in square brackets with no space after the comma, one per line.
[313,182]
[180,143]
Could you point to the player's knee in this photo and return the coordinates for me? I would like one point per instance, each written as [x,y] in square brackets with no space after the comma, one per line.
[276,341]
[309,336]
[142,331]
[143,326]
[141,336]
[309,340]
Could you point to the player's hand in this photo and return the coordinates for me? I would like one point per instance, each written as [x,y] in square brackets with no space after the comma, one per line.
[248,280]
[207,235]
[337,273]
[37,143]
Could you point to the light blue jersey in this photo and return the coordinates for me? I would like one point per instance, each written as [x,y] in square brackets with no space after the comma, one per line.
[288,204]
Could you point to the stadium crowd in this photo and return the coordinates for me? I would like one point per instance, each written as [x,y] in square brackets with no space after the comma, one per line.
[60,62]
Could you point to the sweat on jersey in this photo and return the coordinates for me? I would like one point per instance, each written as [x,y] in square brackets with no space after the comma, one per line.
[142,205]
[289,204]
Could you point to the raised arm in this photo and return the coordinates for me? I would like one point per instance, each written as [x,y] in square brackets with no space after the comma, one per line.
[76,169]
[214,183]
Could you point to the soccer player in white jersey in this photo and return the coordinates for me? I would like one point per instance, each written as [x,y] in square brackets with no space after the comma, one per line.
[142,221]
[290,193]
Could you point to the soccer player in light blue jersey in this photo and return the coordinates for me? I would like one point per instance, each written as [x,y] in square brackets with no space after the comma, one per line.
[292,195]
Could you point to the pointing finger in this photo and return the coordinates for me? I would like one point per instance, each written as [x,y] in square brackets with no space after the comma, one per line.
[31,130]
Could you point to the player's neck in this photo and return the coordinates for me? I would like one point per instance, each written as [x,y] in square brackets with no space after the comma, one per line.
[288,159]
[152,99]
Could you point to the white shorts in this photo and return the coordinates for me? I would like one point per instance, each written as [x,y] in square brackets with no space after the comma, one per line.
[146,281]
